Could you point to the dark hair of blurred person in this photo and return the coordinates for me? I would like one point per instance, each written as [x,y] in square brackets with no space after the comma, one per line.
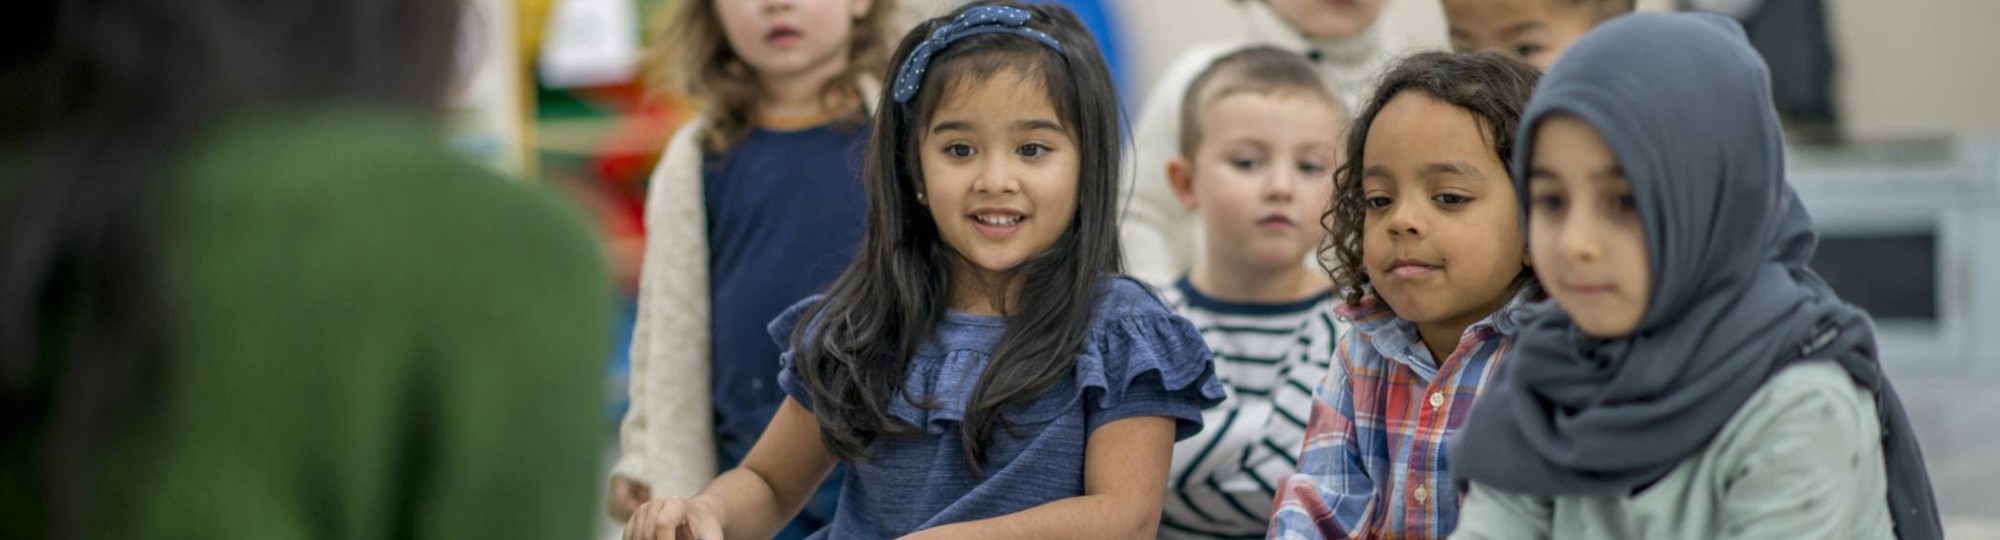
[247,292]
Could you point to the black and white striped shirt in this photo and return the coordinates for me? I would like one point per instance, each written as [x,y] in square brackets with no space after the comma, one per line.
[1271,357]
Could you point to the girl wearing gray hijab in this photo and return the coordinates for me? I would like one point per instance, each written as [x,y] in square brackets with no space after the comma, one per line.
[1693,378]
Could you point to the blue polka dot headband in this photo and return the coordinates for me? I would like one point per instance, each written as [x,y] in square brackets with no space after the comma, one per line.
[975,21]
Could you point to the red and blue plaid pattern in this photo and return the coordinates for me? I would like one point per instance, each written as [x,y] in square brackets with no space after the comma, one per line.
[1374,462]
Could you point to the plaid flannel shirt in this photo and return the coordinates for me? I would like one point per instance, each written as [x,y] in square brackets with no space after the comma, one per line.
[1374,461]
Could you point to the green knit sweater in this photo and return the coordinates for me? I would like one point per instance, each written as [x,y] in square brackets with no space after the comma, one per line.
[377,340]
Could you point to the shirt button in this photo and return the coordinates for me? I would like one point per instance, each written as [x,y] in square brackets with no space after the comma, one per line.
[1437,399]
[1423,494]
[758,385]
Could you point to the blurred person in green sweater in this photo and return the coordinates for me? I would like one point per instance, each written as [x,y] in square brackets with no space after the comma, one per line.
[247,292]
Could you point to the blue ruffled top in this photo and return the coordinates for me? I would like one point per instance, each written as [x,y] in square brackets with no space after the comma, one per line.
[1140,360]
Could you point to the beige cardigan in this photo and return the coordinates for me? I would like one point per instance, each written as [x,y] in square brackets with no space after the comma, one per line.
[666,440]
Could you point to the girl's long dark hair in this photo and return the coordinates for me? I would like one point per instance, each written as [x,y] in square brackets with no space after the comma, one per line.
[100,103]
[853,350]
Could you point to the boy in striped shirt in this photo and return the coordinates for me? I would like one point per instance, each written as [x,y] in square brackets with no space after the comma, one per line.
[1258,144]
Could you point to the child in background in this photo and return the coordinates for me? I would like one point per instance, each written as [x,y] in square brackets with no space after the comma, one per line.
[1698,380]
[1259,139]
[1534,31]
[980,368]
[756,204]
[1347,48]
[1433,273]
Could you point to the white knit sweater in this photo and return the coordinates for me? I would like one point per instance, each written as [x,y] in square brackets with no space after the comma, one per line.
[666,440]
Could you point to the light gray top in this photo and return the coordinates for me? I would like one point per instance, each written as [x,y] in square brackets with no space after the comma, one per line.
[1801,459]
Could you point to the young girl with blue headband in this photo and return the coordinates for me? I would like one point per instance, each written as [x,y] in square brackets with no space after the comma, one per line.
[981,369]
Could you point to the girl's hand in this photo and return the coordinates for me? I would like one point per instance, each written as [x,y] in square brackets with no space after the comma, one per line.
[626,496]
[675,518]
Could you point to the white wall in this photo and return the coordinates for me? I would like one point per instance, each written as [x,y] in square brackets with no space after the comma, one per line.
[1917,67]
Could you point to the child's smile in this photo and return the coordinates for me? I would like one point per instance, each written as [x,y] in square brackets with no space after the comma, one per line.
[999,173]
[997,223]
[1412,269]
[1441,239]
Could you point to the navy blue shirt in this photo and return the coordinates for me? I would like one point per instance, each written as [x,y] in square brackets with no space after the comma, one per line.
[1139,360]
[785,216]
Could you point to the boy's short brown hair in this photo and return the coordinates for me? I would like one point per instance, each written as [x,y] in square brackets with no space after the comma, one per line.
[1261,69]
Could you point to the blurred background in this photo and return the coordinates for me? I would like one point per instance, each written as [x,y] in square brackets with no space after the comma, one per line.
[1890,109]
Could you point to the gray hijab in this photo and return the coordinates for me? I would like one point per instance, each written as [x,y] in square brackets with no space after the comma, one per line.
[1685,105]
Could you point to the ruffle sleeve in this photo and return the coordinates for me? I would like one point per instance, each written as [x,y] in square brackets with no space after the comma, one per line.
[1148,365]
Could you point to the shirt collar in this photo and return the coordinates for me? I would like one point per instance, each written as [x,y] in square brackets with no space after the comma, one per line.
[1397,339]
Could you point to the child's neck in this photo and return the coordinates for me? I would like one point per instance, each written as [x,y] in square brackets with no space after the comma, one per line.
[800,98]
[1231,283]
[977,292]
[1442,337]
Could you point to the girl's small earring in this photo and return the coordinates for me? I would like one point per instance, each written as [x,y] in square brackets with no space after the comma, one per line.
[920,200]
